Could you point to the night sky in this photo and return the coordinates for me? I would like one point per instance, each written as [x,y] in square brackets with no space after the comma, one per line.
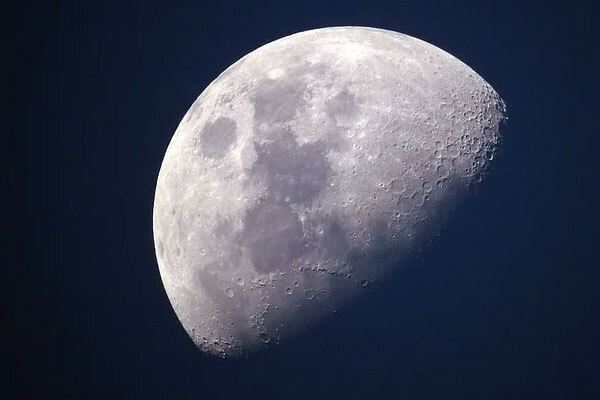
[505,303]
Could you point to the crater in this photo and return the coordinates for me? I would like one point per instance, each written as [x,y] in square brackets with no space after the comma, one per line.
[216,138]
[272,236]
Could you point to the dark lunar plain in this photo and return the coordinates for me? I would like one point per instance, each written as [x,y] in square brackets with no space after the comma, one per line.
[504,304]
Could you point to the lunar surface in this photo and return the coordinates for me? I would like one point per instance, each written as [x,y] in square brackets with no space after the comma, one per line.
[309,170]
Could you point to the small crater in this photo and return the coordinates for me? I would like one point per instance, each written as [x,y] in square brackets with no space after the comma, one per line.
[263,337]
[427,187]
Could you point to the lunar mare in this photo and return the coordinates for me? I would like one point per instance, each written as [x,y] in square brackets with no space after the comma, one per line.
[309,169]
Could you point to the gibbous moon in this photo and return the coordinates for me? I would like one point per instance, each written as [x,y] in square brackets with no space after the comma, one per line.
[308,170]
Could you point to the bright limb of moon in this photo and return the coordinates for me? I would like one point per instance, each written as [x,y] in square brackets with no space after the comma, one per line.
[310,168]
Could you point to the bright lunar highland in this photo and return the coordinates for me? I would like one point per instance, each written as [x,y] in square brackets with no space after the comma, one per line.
[309,169]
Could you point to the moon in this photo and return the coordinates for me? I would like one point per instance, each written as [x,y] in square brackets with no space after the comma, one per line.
[308,171]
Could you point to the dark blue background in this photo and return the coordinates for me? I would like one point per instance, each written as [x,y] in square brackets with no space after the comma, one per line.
[504,305]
